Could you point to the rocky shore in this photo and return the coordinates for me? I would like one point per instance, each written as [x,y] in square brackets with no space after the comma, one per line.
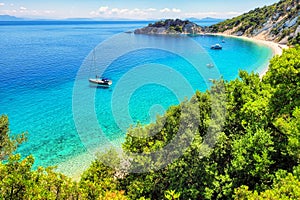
[171,26]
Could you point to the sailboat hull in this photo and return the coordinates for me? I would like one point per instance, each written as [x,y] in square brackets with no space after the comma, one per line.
[100,82]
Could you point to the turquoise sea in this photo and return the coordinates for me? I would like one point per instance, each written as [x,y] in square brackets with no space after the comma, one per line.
[39,62]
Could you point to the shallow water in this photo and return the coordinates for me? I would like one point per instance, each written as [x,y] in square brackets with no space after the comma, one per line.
[39,65]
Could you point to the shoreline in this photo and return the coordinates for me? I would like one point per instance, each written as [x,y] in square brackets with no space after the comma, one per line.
[276,48]
[74,167]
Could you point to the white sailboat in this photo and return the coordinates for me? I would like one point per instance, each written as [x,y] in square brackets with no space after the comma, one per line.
[99,80]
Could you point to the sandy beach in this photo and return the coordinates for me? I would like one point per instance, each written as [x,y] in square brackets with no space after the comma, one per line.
[276,48]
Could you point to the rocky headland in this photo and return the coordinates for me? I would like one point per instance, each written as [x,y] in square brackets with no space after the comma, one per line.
[171,26]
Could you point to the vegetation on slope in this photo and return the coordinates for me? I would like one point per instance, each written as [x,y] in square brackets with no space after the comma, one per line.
[279,22]
[257,155]
[170,26]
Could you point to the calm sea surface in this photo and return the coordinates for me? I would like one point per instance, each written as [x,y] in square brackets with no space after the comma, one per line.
[39,63]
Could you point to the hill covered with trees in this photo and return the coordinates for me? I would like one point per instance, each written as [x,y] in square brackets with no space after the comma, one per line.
[170,26]
[257,154]
[279,22]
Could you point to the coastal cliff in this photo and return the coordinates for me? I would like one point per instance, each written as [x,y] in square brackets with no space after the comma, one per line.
[279,23]
[171,26]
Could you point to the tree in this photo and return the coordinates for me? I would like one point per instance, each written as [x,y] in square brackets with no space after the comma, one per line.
[19,181]
[252,159]
[284,76]
[286,186]
[8,144]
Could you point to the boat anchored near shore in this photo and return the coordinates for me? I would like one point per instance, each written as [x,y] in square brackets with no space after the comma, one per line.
[216,47]
[100,81]
[209,65]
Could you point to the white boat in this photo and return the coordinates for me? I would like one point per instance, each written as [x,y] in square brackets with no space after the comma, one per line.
[100,81]
[209,65]
[216,46]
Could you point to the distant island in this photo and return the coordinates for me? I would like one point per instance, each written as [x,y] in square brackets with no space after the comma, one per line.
[206,19]
[10,18]
[171,26]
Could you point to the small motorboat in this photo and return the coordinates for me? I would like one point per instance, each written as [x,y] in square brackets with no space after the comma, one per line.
[223,41]
[100,81]
[216,47]
[209,65]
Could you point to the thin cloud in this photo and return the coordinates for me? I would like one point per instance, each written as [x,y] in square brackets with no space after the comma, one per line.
[223,15]
[103,9]
[23,8]
[49,11]
[154,13]
[175,10]
[234,13]
[151,9]
[24,12]
[2,4]
[169,10]
[165,10]
[106,12]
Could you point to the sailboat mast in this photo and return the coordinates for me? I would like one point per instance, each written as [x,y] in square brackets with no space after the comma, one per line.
[93,64]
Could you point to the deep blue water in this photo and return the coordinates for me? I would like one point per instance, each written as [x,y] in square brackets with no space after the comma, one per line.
[39,64]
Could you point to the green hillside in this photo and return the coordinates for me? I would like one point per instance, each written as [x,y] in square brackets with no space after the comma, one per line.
[279,22]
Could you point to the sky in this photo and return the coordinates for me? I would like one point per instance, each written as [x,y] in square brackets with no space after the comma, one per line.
[128,9]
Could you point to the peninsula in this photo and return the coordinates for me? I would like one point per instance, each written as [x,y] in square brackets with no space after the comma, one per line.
[171,26]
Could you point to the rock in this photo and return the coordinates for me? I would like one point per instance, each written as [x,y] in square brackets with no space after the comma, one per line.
[151,30]
[291,22]
[284,41]
[297,30]
[239,33]
[171,26]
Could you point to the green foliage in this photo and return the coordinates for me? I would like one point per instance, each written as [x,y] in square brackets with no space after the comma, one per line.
[291,129]
[178,28]
[18,181]
[257,139]
[172,195]
[252,156]
[113,195]
[100,180]
[8,144]
[284,76]
[286,187]
[295,40]
[173,26]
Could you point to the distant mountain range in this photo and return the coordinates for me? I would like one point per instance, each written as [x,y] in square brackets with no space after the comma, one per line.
[13,18]
[206,19]
[10,18]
